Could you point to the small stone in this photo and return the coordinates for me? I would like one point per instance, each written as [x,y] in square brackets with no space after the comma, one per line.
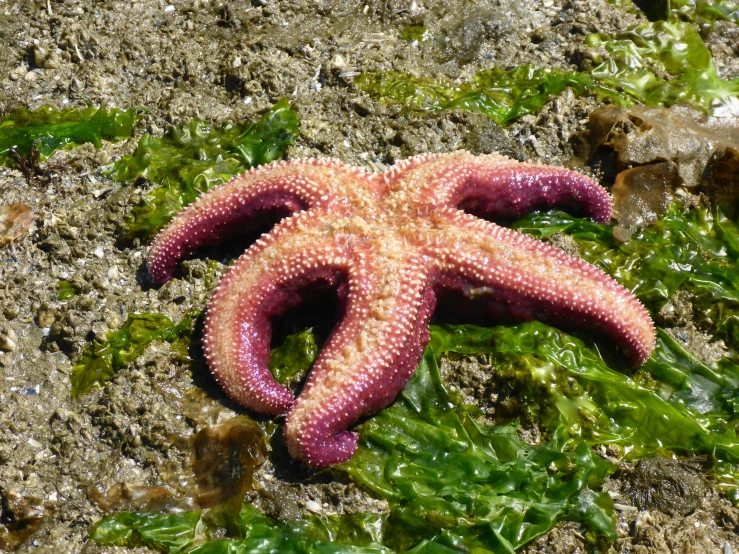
[86,303]
[313,506]
[113,272]
[100,329]
[8,340]
[39,54]
[52,62]
[46,318]
[11,310]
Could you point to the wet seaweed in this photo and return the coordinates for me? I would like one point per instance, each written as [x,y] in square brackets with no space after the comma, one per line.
[102,359]
[503,95]
[694,250]
[638,58]
[194,157]
[43,131]
[196,532]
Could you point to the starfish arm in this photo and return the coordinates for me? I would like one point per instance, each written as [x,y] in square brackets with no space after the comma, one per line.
[275,190]
[494,186]
[368,360]
[529,279]
[269,279]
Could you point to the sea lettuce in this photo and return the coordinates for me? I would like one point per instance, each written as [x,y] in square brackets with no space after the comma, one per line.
[455,482]
[703,11]
[503,95]
[639,57]
[102,359]
[194,157]
[694,250]
[198,532]
[48,129]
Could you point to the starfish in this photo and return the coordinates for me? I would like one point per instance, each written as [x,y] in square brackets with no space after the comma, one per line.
[389,242]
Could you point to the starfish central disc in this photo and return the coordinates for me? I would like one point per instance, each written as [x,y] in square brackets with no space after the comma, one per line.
[390,242]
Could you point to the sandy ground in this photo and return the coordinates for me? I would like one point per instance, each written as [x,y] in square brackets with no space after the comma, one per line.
[221,61]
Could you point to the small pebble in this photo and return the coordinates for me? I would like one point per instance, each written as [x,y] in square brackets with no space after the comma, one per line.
[11,310]
[39,55]
[8,340]
[313,506]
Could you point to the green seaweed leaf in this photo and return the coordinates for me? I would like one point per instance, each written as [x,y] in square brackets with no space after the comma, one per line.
[453,485]
[66,291]
[639,57]
[684,406]
[461,484]
[195,532]
[294,356]
[164,532]
[656,63]
[194,157]
[702,11]
[101,360]
[503,95]
[50,129]
[694,250]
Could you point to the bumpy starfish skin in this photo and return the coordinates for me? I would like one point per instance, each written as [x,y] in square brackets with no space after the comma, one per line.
[389,242]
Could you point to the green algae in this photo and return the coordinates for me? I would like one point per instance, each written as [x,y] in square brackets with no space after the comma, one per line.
[702,12]
[639,58]
[413,33]
[693,250]
[194,157]
[194,532]
[45,130]
[503,95]
[294,356]
[66,291]
[100,361]
[455,483]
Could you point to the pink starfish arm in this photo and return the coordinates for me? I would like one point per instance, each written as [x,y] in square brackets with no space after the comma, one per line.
[265,282]
[494,186]
[369,358]
[528,279]
[273,191]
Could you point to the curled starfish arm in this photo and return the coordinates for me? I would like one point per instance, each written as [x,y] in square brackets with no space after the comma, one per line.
[262,194]
[527,279]
[270,279]
[366,363]
[494,186]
